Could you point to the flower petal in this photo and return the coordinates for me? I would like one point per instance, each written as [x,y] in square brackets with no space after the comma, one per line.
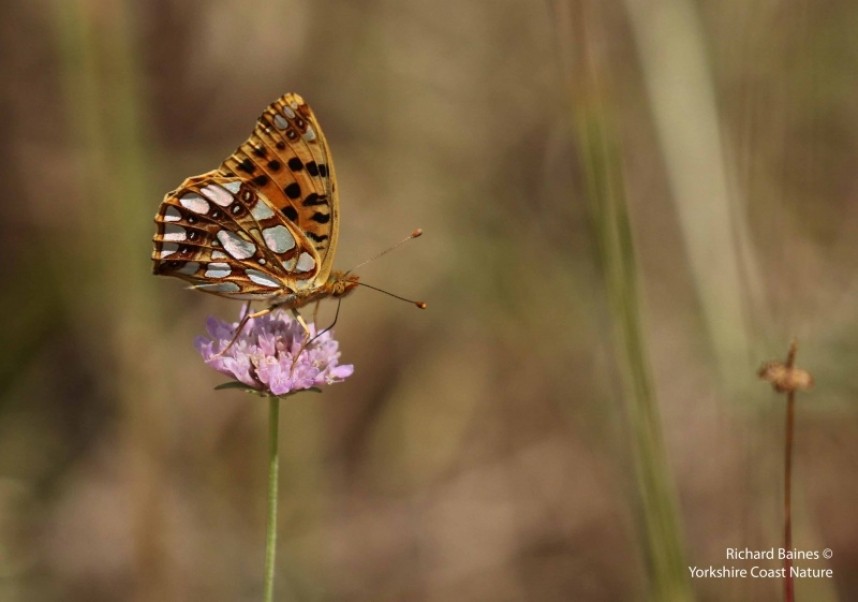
[271,354]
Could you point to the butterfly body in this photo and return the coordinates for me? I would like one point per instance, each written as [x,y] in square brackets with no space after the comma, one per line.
[265,224]
[338,284]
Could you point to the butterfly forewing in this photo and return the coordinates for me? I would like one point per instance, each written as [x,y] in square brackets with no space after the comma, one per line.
[287,159]
[262,226]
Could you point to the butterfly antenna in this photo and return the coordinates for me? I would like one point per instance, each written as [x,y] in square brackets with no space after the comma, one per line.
[415,234]
[307,343]
[420,304]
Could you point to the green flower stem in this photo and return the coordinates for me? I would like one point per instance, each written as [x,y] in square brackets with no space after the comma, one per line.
[273,471]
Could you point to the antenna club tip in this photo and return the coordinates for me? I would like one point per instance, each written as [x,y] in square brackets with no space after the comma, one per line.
[417,232]
[420,304]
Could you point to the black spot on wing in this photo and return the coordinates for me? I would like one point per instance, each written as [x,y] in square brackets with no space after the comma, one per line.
[313,199]
[293,190]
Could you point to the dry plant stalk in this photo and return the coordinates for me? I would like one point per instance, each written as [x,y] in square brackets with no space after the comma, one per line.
[786,378]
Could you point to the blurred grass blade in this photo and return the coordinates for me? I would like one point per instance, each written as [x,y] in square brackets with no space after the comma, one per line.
[713,227]
[658,508]
[114,296]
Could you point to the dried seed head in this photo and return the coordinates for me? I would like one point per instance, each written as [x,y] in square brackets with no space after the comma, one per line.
[785,378]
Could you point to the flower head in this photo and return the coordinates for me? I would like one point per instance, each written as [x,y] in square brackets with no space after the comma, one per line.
[271,355]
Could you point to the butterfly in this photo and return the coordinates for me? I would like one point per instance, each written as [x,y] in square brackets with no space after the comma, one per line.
[264,225]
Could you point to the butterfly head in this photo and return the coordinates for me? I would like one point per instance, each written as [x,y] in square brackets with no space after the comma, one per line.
[341,284]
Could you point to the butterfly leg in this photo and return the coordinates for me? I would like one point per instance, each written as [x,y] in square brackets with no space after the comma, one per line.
[247,316]
[300,319]
[309,338]
[316,312]
[332,324]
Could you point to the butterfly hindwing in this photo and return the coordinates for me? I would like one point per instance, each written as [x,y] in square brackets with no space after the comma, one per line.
[225,237]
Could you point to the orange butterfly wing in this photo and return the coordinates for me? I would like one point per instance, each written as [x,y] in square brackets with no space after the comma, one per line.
[265,224]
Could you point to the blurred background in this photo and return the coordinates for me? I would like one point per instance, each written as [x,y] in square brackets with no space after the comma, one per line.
[628,207]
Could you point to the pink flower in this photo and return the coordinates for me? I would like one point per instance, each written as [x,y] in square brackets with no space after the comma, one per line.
[269,354]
